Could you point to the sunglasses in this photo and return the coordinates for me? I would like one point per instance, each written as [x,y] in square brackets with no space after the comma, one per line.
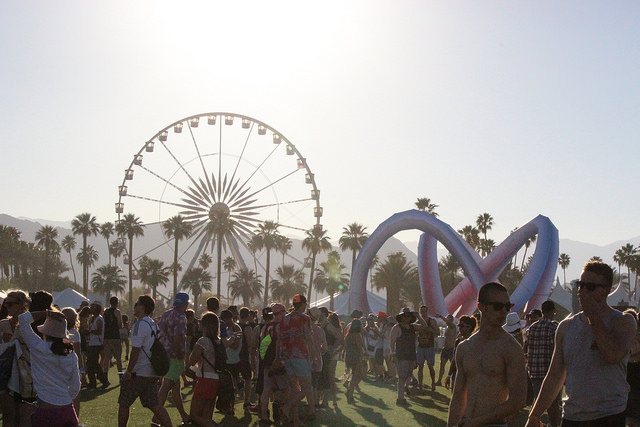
[591,286]
[497,306]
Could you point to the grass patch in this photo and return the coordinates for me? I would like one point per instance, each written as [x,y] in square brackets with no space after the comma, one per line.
[375,406]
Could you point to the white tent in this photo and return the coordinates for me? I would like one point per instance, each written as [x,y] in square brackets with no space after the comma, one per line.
[620,297]
[561,296]
[341,303]
[68,298]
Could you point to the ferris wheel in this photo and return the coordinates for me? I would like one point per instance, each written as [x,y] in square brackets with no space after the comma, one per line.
[215,165]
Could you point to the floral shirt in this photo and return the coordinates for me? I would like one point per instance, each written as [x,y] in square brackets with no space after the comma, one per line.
[172,323]
[293,331]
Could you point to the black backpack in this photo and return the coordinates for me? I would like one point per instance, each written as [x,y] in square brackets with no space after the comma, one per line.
[221,355]
[159,357]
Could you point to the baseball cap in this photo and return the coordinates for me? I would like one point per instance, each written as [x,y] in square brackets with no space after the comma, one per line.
[181,299]
[297,299]
[382,314]
[277,308]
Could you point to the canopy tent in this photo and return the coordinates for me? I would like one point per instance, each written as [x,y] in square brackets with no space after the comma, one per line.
[68,298]
[561,296]
[341,303]
[620,297]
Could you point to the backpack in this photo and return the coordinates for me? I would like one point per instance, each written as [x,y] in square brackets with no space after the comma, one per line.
[159,357]
[221,356]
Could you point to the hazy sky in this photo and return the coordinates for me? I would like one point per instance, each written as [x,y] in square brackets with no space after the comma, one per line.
[513,108]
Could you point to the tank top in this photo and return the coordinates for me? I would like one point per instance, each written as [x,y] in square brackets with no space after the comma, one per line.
[95,339]
[595,388]
[406,344]
[111,329]
[331,340]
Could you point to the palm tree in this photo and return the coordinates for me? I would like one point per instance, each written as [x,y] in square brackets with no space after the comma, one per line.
[372,266]
[131,227]
[471,235]
[353,238]
[108,279]
[528,243]
[424,204]
[563,261]
[106,231]
[197,280]
[9,248]
[205,261]
[153,273]
[394,273]
[595,258]
[46,238]
[177,228]
[315,242]
[221,228]
[87,257]
[115,250]
[484,222]
[450,267]
[486,246]
[69,244]
[290,282]
[246,285]
[229,264]
[267,237]
[331,277]
[628,253]
[86,225]
[284,245]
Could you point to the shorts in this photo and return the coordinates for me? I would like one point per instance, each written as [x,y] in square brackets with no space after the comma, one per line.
[405,368]
[298,367]
[240,369]
[378,359]
[146,388]
[55,417]
[427,354]
[446,354]
[206,389]
[176,368]
[112,348]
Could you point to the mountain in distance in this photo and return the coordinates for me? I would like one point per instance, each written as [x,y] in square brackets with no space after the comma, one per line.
[153,244]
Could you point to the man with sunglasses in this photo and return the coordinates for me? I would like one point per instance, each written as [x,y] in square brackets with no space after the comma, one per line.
[491,379]
[590,357]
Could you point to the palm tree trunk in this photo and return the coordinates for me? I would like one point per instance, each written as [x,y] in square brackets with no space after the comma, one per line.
[266,278]
[313,267]
[219,267]
[131,273]
[175,267]
[73,269]
[85,271]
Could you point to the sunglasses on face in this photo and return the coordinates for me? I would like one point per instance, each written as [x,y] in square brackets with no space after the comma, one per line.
[591,286]
[497,306]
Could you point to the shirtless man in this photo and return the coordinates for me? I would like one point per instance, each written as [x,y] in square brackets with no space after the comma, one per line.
[491,379]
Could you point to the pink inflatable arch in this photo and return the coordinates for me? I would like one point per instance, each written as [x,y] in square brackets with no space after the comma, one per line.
[530,293]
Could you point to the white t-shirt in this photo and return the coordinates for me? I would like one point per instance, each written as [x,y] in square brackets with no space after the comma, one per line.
[55,378]
[142,338]
[203,369]
[96,339]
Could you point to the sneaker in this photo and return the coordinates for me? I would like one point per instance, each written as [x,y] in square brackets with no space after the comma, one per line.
[105,384]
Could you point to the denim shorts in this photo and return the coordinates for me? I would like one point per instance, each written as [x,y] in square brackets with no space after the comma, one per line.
[298,367]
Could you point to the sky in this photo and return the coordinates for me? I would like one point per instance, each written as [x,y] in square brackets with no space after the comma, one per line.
[512,108]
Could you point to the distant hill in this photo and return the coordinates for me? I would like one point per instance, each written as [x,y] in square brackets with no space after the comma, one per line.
[153,244]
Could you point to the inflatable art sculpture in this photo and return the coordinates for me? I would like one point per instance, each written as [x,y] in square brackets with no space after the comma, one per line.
[531,293]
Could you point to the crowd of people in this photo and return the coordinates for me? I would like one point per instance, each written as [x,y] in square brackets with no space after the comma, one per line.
[274,359]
